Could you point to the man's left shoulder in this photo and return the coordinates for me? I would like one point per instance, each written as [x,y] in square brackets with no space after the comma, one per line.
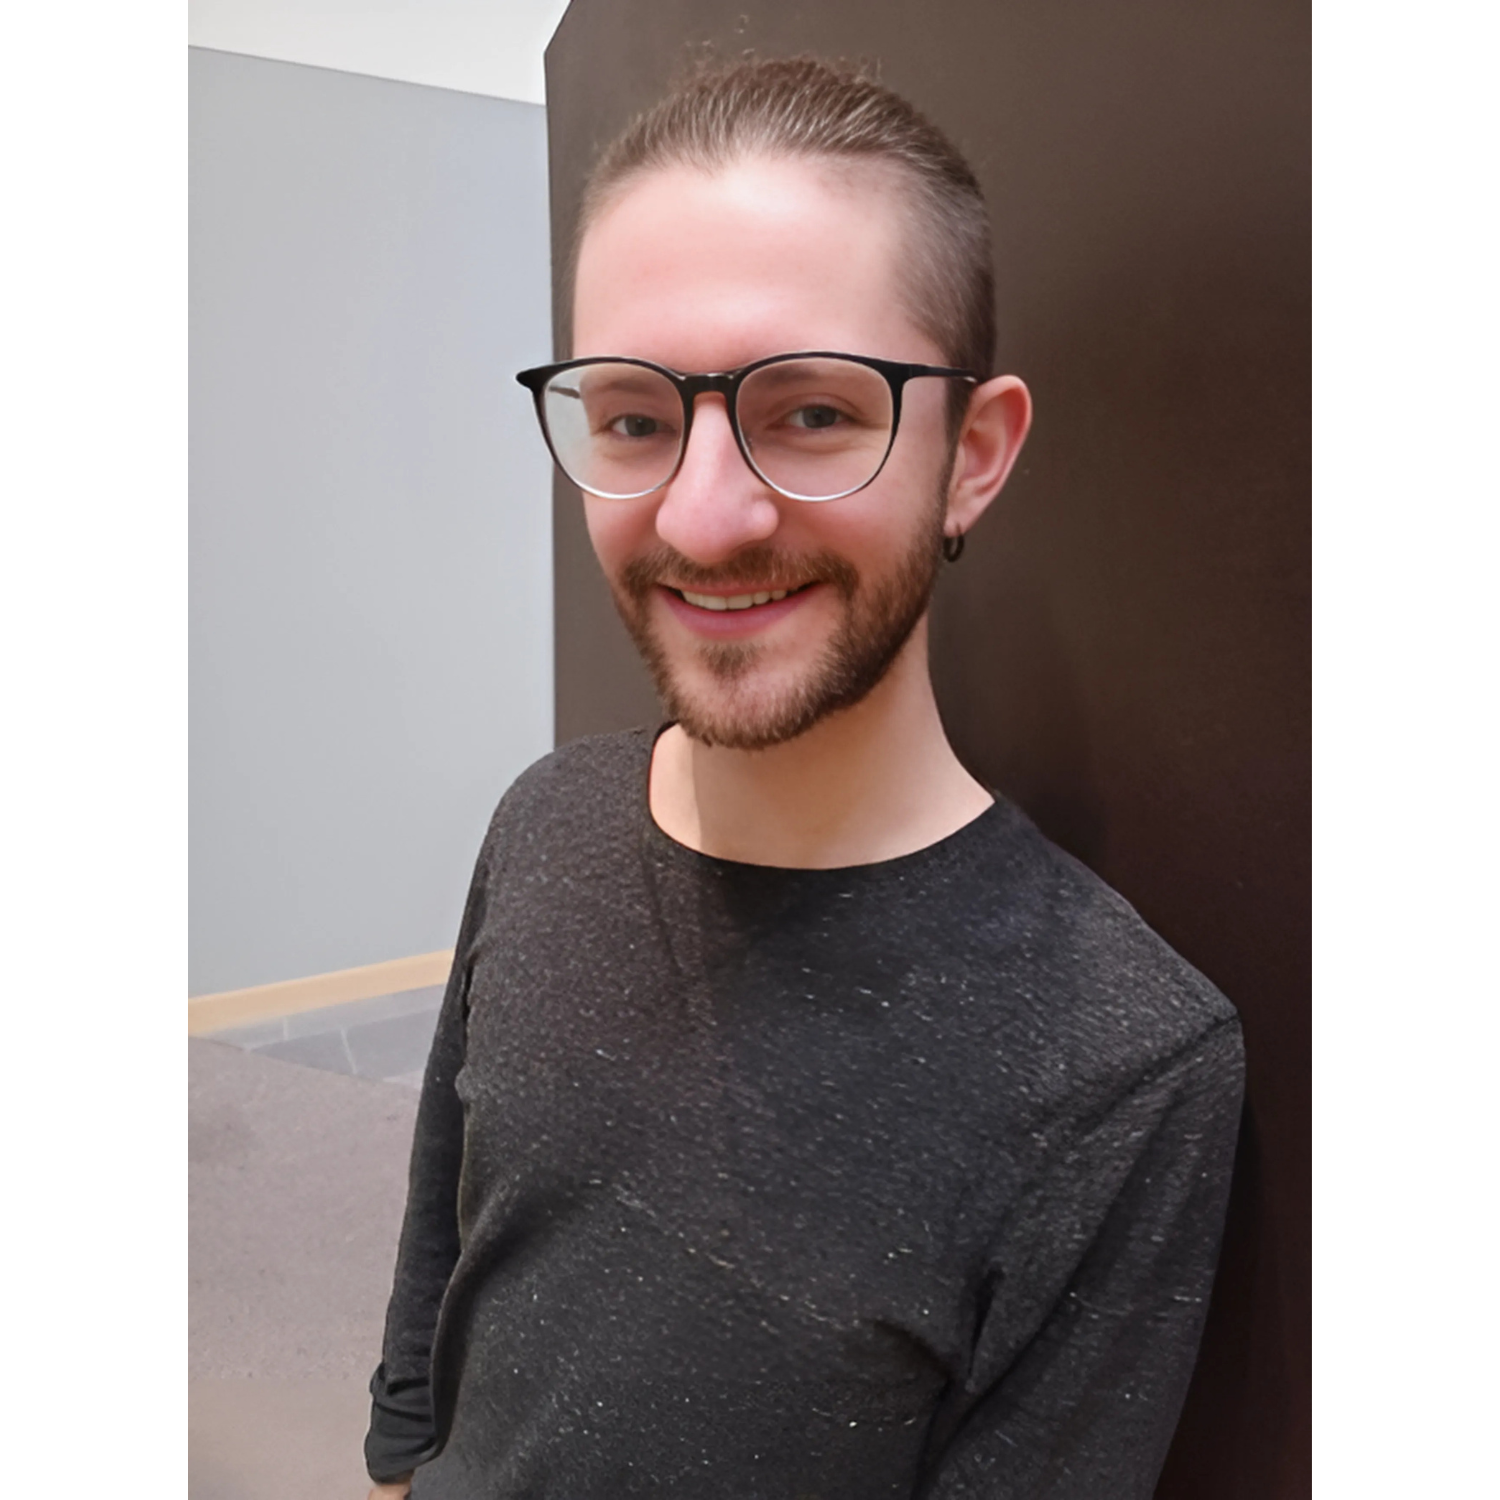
[1109,991]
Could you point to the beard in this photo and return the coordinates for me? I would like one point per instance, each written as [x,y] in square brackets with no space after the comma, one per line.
[878,619]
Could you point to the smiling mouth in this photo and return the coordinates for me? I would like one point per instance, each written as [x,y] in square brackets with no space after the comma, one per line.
[736,601]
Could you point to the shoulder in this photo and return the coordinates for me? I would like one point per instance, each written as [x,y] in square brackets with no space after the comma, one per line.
[597,764]
[579,791]
[1103,996]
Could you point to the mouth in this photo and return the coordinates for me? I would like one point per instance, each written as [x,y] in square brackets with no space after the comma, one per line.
[734,616]
[731,602]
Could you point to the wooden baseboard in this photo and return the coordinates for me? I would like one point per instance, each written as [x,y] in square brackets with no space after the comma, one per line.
[289,997]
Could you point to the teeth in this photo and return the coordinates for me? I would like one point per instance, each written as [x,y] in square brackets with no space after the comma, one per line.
[733,601]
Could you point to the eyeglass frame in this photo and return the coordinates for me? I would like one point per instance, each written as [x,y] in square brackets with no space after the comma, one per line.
[727,383]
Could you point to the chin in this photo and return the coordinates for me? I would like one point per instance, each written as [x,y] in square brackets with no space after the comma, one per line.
[741,721]
[729,703]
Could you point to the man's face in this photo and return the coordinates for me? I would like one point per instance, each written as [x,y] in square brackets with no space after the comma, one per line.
[704,272]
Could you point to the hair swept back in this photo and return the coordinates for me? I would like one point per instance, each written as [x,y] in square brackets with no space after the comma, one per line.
[807,107]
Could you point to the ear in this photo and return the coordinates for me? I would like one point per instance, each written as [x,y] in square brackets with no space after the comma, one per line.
[994,427]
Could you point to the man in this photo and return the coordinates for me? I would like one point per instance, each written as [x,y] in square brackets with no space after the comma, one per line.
[799,1121]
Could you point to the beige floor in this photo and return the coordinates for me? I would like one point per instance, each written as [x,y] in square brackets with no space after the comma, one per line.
[297,1181]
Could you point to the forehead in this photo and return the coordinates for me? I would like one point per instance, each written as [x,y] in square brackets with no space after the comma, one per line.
[707,270]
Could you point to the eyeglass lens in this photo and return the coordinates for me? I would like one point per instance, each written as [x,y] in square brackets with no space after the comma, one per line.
[815,428]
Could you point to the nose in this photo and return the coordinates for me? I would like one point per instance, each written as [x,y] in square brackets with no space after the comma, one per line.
[716,505]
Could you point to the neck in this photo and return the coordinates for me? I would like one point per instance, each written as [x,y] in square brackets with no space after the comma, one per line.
[869,783]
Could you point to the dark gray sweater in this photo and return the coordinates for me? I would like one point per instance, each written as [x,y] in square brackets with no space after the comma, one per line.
[731,1182]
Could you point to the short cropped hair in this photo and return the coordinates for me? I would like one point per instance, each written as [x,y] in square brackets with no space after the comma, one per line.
[807,107]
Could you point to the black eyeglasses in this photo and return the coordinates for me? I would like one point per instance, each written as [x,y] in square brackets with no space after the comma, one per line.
[813,426]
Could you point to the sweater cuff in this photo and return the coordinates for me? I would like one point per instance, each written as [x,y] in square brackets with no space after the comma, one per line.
[402,1433]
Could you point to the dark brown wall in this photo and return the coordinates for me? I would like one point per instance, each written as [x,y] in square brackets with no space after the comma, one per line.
[1124,648]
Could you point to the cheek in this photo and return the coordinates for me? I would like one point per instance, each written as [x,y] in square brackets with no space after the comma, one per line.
[921,456]
[619,530]
[902,507]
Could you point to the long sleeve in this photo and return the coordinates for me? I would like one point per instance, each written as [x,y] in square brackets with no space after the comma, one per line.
[1074,1390]
[402,1430]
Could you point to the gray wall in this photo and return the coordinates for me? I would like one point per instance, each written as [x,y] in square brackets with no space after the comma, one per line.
[370,545]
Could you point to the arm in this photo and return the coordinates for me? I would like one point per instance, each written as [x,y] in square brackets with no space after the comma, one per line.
[1078,1399]
[402,1430]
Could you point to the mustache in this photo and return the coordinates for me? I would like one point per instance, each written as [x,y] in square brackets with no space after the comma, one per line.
[765,567]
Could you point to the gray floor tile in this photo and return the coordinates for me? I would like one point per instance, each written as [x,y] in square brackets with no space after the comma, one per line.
[386,1037]
[326,1050]
[298,1182]
[257,1034]
[392,1047]
[357,1012]
[411,1080]
[294,1439]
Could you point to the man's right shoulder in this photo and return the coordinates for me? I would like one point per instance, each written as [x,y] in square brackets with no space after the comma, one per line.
[581,787]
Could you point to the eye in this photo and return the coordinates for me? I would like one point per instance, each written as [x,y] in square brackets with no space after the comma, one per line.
[815,417]
[635,426]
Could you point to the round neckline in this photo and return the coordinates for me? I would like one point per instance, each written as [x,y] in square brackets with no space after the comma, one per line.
[661,837]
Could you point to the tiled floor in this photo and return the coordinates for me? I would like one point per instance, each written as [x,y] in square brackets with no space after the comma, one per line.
[297,1184]
[298,1180]
[386,1038]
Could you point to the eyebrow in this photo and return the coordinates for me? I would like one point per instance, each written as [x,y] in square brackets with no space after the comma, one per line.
[793,370]
[619,384]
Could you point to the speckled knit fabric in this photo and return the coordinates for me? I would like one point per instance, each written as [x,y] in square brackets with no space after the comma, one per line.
[758,1184]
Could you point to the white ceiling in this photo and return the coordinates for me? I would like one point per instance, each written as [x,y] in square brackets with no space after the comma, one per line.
[480,46]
